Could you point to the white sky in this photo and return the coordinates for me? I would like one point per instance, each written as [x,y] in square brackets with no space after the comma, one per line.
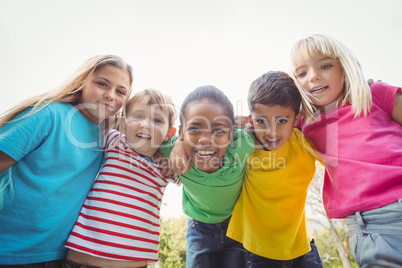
[178,45]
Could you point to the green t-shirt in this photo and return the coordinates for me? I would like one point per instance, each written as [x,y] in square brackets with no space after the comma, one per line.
[210,197]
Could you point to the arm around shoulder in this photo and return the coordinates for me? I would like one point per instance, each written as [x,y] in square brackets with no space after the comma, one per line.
[397,110]
[6,161]
[242,144]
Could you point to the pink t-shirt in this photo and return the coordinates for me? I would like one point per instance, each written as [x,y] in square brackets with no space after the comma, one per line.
[362,156]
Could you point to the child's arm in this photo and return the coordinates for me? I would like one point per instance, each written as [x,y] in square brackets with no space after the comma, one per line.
[397,110]
[164,162]
[179,161]
[6,161]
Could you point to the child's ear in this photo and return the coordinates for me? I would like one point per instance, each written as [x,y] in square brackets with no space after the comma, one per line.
[170,133]
[231,134]
[298,116]
[181,132]
[250,120]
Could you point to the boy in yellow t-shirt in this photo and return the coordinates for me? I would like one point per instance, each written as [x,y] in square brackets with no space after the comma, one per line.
[269,216]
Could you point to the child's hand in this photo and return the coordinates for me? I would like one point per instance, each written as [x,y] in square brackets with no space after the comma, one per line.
[371,81]
[179,162]
[166,172]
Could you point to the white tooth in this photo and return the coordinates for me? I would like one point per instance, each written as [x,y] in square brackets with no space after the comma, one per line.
[205,152]
[318,89]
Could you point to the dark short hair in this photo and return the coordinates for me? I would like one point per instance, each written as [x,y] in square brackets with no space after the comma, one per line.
[274,88]
[211,94]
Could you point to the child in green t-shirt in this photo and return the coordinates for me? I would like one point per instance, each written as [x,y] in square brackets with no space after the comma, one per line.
[217,154]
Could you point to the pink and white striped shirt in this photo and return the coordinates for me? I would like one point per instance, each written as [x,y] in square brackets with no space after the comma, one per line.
[120,217]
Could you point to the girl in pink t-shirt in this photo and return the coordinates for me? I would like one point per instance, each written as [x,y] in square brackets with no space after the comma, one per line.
[357,130]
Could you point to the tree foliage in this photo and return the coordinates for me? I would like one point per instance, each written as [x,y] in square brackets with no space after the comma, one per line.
[172,247]
[329,254]
[333,240]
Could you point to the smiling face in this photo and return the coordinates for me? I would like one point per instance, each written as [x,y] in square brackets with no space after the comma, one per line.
[104,92]
[273,125]
[206,134]
[323,78]
[146,127]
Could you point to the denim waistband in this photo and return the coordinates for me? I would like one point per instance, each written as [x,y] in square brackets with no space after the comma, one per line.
[385,213]
[71,264]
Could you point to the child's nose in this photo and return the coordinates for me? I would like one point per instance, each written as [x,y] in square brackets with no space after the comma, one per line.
[313,76]
[109,94]
[271,131]
[145,123]
[205,138]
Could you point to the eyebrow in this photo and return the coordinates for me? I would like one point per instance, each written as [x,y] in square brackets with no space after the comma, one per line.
[219,125]
[212,125]
[276,117]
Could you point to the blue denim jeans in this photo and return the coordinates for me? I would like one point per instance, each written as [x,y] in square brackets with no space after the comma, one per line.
[209,247]
[48,264]
[376,236]
[309,260]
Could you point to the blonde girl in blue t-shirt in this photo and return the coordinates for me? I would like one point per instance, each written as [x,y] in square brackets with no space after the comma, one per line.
[50,153]
[215,155]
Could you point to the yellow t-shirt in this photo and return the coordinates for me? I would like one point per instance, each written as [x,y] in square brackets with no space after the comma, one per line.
[269,216]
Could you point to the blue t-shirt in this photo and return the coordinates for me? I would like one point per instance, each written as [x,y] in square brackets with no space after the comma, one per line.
[58,152]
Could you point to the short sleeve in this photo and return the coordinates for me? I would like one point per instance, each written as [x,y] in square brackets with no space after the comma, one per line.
[242,144]
[167,147]
[25,133]
[111,137]
[307,145]
[384,96]
[175,179]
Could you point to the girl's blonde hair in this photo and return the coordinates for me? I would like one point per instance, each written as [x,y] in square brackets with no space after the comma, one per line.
[71,90]
[356,90]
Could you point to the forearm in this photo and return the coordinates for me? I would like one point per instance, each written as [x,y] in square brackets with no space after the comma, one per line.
[6,161]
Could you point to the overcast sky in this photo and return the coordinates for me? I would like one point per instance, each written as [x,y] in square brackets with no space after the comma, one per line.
[178,45]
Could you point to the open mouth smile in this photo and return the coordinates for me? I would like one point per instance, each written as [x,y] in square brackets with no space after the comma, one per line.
[144,136]
[272,140]
[205,154]
[318,89]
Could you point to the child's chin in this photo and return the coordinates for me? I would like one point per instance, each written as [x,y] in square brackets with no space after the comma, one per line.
[207,168]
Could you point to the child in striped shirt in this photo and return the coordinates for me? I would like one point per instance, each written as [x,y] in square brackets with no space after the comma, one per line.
[119,222]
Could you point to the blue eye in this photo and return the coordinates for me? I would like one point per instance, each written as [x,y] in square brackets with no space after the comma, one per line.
[102,84]
[121,92]
[156,120]
[302,74]
[136,116]
[326,66]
